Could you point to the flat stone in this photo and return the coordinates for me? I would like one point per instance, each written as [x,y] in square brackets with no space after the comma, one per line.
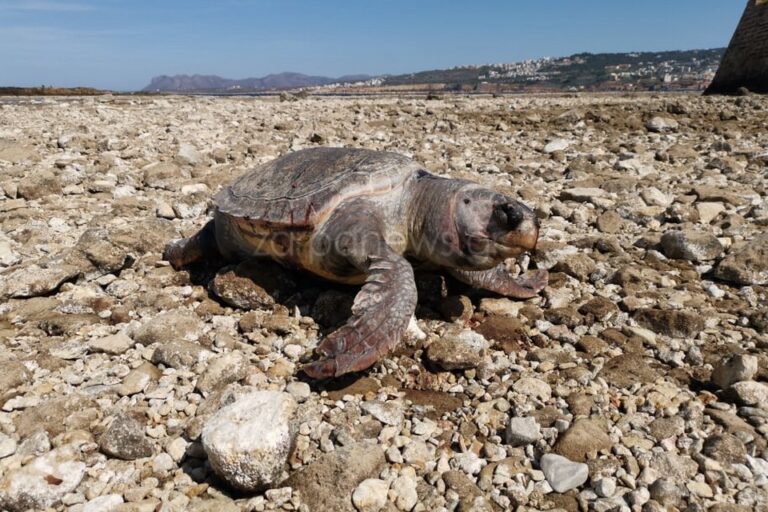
[248,441]
[55,416]
[509,334]
[725,448]
[627,369]
[470,495]
[188,154]
[582,441]
[179,324]
[661,124]
[533,387]
[34,281]
[582,195]
[114,344]
[709,211]
[691,245]
[389,413]
[179,354]
[106,503]
[556,145]
[563,474]
[457,349]
[678,324]
[328,482]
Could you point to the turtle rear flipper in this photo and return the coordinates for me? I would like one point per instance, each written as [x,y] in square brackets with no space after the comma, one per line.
[200,246]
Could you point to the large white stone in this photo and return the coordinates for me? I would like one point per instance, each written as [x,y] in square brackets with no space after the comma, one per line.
[44,481]
[248,441]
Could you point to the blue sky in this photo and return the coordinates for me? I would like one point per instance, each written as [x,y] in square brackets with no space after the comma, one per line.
[120,45]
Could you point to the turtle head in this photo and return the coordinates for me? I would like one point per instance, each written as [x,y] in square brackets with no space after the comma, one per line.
[492,227]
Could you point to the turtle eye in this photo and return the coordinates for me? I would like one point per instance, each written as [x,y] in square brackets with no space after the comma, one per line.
[467,200]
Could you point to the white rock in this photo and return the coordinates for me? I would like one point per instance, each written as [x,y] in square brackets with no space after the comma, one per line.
[103,503]
[606,487]
[298,390]
[389,413]
[523,431]
[8,256]
[44,481]
[370,495]
[557,145]
[661,124]
[248,441]
[563,474]
[177,448]
[188,154]
[7,445]
[162,463]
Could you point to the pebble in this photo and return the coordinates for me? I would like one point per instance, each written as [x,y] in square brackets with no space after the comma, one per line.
[563,474]
[115,344]
[370,495]
[522,431]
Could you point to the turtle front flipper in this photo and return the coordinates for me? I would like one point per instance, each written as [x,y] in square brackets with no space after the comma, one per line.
[499,280]
[380,316]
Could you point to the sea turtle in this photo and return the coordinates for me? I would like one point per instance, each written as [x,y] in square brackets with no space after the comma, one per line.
[359,216]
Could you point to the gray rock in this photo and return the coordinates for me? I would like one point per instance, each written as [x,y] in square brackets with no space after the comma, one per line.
[605,487]
[523,431]
[44,481]
[225,369]
[125,439]
[725,448]
[7,446]
[667,493]
[179,354]
[738,368]
[188,154]
[457,349]
[178,324]
[692,246]
[248,441]
[327,483]
[746,265]
[34,281]
[253,284]
[563,474]
[404,489]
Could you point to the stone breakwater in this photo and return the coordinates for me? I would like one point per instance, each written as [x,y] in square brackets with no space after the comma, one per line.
[637,381]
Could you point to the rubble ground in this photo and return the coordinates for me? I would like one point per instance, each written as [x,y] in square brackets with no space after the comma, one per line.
[637,381]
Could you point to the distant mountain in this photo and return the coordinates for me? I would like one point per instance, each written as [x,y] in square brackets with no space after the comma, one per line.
[213,83]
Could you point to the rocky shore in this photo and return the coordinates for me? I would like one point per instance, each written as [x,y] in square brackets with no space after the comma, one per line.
[638,381]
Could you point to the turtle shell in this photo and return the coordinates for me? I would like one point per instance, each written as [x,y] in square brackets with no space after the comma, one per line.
[297,190]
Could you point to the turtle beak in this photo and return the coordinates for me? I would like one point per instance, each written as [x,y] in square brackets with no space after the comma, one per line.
[519,225]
